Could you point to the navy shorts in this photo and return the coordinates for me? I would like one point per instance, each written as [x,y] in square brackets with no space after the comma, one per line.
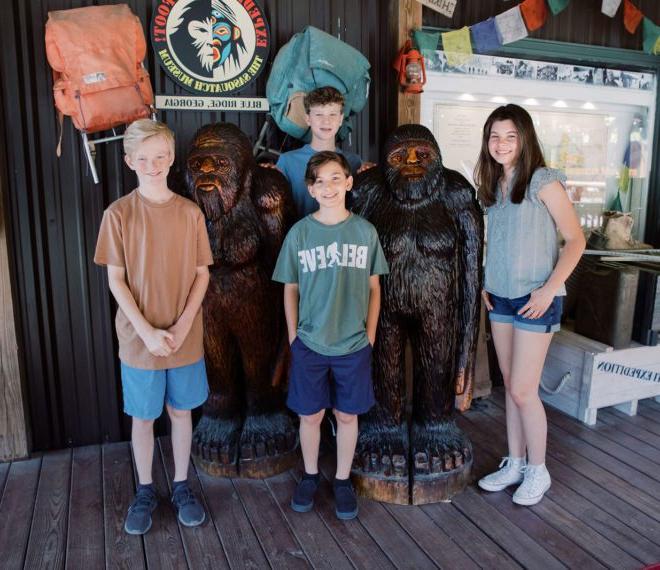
[506,311]
[318,382]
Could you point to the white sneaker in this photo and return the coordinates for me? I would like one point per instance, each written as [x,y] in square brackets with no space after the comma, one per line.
[536,483]
[510,473]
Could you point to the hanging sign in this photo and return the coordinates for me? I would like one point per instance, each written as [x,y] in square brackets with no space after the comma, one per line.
[445,7]
[211,47]
[183,103]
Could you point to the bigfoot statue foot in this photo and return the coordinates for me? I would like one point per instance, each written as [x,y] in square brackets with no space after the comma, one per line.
[380,465]
[442,460]
[268,445]
[215,445]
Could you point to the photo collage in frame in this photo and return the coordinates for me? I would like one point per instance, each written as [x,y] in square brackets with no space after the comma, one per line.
[488,65]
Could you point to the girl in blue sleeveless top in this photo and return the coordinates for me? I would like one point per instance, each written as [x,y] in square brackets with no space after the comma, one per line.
[524,283]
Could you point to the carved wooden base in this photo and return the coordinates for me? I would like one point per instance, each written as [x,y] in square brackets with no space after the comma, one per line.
[250,468]
[443,486]
[432,488]
[380,488]
[216,469]
[431,485]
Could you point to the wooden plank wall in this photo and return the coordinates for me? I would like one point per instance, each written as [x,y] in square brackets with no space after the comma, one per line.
[13,428]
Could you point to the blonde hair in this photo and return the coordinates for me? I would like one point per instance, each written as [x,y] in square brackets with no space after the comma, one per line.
[143,129]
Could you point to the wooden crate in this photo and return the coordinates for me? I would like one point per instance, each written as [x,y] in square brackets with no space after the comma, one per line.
[582,375]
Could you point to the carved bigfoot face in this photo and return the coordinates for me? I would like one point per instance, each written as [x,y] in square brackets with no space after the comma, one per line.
[219,159]
[413,165]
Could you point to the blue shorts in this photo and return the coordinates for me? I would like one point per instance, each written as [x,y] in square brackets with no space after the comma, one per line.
[318,382]
[146,391]
[506,311]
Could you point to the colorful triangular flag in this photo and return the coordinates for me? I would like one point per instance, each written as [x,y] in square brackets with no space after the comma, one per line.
[609,7]
[510,25]
[426,41]
[651,37]
[632,16]
[485,37]
[457,46]
[534,12]
[557,6]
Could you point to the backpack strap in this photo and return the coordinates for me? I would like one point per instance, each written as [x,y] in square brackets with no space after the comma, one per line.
[60,122]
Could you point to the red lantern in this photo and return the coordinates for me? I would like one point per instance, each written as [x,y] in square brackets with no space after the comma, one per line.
[410,65]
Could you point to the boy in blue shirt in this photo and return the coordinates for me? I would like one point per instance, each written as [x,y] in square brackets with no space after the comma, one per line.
[324,113]
[330,264]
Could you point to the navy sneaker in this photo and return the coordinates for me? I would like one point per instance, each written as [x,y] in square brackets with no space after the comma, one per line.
[138,519]
[189,510]
[303,497]
[346,507]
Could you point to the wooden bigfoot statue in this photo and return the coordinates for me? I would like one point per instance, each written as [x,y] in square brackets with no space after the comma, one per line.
[245,428]
[431,228]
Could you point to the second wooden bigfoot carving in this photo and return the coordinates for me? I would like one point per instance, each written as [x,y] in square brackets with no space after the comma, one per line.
[431,229]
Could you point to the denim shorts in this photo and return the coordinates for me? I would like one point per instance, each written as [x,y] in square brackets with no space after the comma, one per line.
[506,311]
[146,391]
[318,382]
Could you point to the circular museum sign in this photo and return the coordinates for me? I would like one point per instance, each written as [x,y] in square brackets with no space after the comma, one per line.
[211,46]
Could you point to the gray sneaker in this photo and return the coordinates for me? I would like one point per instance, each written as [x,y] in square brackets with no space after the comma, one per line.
[138,519]
[189,510]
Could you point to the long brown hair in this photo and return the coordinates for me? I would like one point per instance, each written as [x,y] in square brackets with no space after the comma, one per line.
[487,172]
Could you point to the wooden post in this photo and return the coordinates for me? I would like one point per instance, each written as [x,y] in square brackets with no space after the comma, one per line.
[13,428]
[406,15]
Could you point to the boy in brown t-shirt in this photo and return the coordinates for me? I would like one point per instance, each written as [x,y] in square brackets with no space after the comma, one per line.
[155,245]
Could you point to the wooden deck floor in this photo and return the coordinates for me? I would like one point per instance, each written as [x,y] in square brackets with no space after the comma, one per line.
[66,509]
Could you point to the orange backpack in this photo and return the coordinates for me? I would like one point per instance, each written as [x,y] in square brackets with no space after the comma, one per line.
[98,78]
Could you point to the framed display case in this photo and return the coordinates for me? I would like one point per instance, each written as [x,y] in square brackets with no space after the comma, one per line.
[595,123]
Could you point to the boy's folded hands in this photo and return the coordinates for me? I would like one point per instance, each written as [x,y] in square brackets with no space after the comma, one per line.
[159,342]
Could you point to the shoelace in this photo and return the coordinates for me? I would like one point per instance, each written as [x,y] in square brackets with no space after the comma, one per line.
[183,496]
[532,479]
[142,502]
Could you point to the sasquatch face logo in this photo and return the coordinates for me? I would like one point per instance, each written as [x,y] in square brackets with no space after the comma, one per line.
[211,46]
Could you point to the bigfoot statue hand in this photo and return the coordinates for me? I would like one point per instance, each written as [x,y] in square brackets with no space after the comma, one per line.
[431,228]
[248,210]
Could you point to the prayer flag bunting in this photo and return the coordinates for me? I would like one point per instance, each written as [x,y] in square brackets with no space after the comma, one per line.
[534,12]
[513,25]
[632,16]
[609,7]
[557,6]
[457,47]
[485,37]
[651,37]
[510,25]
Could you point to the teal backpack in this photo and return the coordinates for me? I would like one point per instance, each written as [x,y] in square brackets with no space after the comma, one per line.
[312,59]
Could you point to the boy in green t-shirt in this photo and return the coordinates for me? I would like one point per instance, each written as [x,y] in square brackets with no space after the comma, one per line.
[329,264]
